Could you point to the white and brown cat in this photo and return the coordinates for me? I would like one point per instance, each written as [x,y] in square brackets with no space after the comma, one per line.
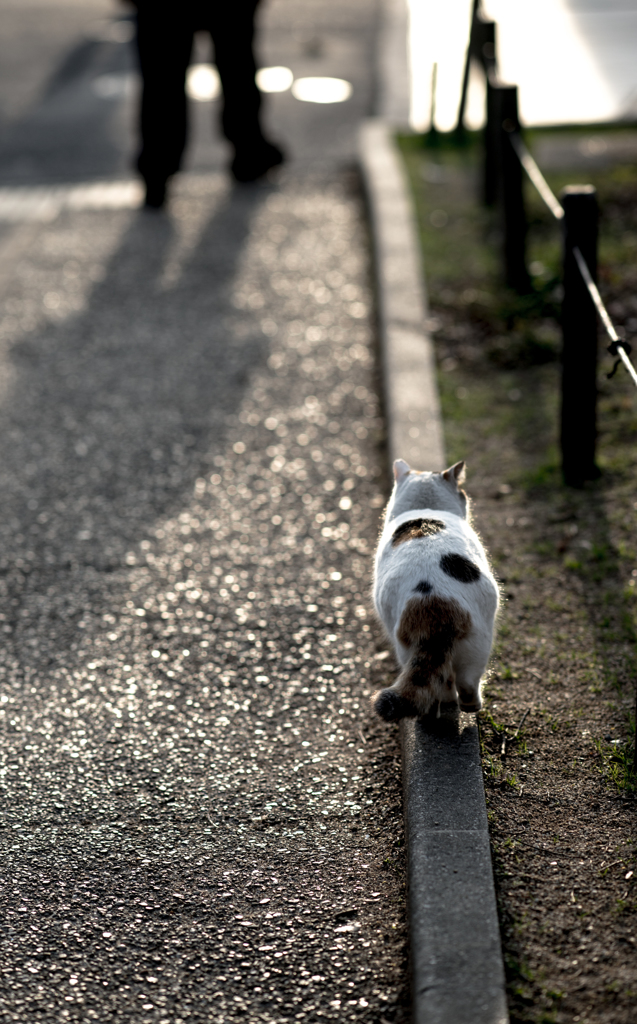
[435,594]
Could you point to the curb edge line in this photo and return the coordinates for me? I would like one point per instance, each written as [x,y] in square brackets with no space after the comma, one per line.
[456,958]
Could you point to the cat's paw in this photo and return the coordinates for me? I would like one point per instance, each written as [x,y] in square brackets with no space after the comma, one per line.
[391,707]
[470,706]
[469,700]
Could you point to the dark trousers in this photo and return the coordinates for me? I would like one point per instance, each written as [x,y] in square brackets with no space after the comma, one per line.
[164,42]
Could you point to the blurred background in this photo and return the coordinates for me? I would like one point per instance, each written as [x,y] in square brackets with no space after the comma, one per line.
[573,60]
[68,82]
[69,86]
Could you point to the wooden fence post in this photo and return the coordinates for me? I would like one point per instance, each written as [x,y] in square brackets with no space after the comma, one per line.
[512,177]
[491,128]
[579,332]
[486,47]
[459,129]
[481,47]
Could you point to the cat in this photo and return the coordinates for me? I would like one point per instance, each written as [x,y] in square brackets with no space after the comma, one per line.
[435,594]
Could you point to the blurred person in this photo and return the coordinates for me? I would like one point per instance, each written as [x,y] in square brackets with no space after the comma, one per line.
[165,33]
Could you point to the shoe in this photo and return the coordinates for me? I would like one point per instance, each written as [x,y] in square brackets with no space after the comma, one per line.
[251,164]
[155,195]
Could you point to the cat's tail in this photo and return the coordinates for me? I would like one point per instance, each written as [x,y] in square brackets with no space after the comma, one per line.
[429,628]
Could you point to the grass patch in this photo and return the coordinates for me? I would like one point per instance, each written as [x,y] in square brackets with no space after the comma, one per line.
[561,799]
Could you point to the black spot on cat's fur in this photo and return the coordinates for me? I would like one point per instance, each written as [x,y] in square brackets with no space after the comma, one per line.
[415,528]
[460,568]
[424,587]
[391,707]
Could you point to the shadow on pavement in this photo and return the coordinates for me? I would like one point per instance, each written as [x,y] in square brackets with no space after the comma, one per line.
[114,414]
[74,133]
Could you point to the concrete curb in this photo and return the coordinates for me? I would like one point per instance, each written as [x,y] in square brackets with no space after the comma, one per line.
[456,959]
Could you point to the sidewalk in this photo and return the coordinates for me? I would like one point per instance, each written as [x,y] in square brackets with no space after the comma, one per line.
[202,820]
[202,817]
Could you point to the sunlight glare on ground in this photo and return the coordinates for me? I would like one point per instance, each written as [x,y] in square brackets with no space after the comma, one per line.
[439,33]
[277,79]
[541,48]
[203,83]
[116,86]
[476,108]
[322,90]
[107,30]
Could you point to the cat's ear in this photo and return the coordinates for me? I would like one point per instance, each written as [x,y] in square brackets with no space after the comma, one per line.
[455,474]
[401,469]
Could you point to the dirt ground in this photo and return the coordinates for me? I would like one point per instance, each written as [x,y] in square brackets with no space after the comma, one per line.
[558,726]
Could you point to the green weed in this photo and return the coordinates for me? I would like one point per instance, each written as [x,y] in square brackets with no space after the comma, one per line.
[618,761]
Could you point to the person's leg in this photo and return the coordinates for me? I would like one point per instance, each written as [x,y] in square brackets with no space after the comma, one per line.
[164,44]
[232,29]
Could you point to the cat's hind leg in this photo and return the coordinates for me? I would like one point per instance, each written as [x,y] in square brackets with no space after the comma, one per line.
[448,692]
[409,699]
[392,706]
[439,689]
[470,662]
[470,700]
[404,700]
[469,697]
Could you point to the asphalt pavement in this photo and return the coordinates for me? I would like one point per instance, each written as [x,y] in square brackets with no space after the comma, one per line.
[200,818]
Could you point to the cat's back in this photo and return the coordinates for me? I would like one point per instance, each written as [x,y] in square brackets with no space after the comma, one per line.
[427,551]
[433,532]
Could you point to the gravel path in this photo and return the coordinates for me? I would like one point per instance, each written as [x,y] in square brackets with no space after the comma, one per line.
[202,821]
[200,818]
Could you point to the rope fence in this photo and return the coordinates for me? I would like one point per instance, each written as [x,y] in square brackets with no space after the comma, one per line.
[506,159]
[617,347]
[536,176]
